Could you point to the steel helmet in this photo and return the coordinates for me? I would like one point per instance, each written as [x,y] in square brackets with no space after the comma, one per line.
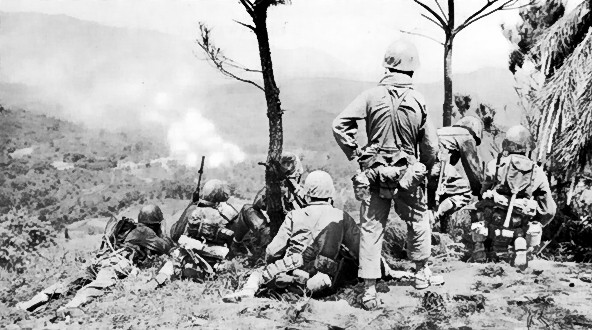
[517,140]
[215,191]
[319,184]
[401,55]
[474,125]
[150,214]
[291,165]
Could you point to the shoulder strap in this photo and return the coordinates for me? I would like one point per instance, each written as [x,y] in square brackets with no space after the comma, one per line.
[394,107]
[497,166]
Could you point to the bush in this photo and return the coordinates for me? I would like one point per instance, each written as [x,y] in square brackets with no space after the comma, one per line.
[20,236]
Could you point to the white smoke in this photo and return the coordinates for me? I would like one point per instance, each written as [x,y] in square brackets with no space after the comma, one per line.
[194,135]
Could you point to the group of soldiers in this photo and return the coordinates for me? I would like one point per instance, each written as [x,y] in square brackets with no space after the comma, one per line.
[405,163]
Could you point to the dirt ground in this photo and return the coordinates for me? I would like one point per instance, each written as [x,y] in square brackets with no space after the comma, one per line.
[547,295]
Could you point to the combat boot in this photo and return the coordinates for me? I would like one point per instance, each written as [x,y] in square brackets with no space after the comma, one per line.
[424,278]
[520,259]
[370,297]
[249,289]
[479,234]
[30,305]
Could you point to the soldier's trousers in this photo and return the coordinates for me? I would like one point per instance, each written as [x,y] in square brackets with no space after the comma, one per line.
[109,270]
[411,207]
[249,219]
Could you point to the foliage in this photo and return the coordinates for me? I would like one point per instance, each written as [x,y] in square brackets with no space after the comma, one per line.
[483,111]
[534,20]
[20,236]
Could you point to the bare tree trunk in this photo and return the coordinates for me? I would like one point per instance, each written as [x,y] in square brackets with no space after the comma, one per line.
[274,114]
[447,107]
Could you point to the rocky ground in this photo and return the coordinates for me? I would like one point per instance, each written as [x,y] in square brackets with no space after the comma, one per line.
[475,296]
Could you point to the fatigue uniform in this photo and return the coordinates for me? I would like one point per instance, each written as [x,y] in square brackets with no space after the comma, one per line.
[455,143]
[307,251]
[210,232]
[398,148]
[139,249]
[251,217]
[533,203]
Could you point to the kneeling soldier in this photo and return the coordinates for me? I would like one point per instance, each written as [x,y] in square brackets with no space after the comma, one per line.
[308,246]
[201,238]
[447,188]
[516,205]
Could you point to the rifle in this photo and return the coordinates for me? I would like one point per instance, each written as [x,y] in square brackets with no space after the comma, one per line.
[441,177]
[298,202]
[178,228]
[195,197]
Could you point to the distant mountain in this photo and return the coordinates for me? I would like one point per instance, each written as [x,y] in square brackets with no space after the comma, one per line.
[116,77]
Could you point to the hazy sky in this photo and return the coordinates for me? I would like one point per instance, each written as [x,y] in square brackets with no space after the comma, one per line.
[353,32]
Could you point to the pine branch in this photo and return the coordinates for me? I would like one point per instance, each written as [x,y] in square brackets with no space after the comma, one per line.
[219,61]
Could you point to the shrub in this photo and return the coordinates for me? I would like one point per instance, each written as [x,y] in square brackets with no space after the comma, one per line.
[20,237]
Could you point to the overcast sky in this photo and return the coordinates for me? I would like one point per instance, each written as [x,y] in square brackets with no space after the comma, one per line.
[353,32]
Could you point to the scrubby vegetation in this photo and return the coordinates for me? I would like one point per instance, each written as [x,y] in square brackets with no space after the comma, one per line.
[73,174]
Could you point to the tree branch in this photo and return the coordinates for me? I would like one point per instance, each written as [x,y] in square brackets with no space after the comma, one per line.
[432,20]
[441,10]
[249,7]
[217,58]
[442,21]
[467,22]
[481,13]
[248,26]
[422,35]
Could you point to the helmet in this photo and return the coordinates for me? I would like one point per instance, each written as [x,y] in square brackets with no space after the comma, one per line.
[291,165]
[517,140]
[150,214]
[474,125]
[401,55]
[319,184]
[215,191]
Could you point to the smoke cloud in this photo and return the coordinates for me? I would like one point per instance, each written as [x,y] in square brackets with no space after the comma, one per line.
[194,135]
[113,78]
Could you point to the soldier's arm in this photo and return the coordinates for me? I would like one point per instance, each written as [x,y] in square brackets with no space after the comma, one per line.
[259,203]
[489,177]
[277,248]
[428,145]
[546,205]
[471,162]
[345,126]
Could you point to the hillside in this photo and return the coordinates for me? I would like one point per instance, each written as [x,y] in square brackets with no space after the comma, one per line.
[105,77]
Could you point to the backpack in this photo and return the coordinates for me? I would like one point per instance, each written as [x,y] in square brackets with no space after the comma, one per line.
[513,191]
[517,177]
[116,231]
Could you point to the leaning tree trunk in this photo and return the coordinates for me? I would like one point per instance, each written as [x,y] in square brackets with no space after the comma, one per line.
[274,114]
[447,107]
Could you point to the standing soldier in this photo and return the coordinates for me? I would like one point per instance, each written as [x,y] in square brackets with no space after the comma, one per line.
[306,252]
[448,189]
[201,238]
[516,204]
[126,244]
[251,217]
[393,165]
